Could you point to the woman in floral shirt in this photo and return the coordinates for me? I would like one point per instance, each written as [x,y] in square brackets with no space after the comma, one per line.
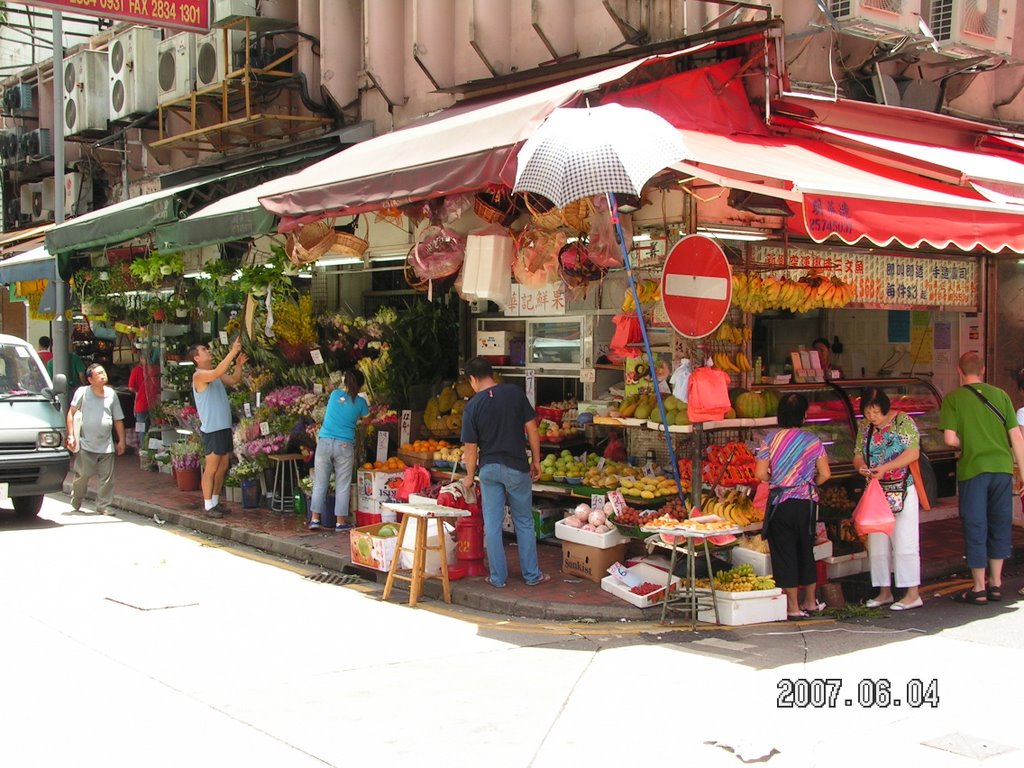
[887,444]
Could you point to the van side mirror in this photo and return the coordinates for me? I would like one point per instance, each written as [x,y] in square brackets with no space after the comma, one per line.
[60,385]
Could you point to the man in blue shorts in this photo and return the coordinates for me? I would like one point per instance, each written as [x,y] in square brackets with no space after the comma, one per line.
[495,428]
[979,419]
[215,417]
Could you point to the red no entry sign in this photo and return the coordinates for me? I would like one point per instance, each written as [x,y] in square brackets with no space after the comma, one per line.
[696,286]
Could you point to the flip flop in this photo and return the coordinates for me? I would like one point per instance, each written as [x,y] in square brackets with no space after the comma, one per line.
[545,577]
[818,608]
[972,597]
[496,586]
[797,616]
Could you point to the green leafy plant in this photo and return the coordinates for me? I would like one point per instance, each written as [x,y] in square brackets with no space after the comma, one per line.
[423,349]
[186,454]
[157,267]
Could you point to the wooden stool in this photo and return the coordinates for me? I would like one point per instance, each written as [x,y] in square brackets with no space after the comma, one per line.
[424,514]
[286,480]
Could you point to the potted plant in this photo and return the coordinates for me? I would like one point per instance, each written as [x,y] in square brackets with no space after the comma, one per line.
[186,460]
[154,269]
[247,473]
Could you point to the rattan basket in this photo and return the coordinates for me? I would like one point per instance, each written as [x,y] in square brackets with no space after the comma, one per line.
[575,215]
[493,212]
[309,243]
[349,244]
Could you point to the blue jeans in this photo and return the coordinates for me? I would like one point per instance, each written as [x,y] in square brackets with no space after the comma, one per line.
[986,514]
[335,456]
[498,483]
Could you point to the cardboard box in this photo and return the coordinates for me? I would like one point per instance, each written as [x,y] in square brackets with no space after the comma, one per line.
[645,573]
[368,549]
[544,519]
[495,342]
[374,487]
[589,563]
[740,608]
[605,540]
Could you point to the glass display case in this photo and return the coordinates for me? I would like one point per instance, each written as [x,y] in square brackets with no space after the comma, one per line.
[834,415]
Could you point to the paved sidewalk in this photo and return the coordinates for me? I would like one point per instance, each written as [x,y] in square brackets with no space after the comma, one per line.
[564,598]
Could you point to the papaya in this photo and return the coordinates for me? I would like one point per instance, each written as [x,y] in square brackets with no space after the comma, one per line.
[672,403]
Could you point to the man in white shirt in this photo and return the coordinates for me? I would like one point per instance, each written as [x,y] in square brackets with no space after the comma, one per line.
[101,413]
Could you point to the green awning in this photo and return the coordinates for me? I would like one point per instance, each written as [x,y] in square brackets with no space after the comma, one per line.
[117,223]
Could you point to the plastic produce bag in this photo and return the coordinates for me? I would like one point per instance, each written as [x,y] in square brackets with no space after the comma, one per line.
[707,397]
[680,380]
[627,332]
[414,479]
[873,513]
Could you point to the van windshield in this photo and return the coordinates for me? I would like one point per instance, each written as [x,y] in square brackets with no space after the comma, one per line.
[20,372]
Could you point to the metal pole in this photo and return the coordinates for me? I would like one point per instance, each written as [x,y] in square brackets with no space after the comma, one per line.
[61,329]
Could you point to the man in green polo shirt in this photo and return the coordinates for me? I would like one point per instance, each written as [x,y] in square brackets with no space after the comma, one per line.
[979,419]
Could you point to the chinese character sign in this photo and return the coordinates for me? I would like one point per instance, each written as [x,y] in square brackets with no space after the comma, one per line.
[885,279]
[536,302]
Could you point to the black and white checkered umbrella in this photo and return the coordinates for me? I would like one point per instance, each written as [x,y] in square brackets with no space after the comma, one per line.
[594,151]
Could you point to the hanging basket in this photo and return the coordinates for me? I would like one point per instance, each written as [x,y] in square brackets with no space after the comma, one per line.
[536,260]
[439,253]
[495,210]
[575,215]
[309,243]
[434,287]
[349,245]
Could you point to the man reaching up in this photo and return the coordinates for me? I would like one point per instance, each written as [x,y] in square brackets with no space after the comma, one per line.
[215,417]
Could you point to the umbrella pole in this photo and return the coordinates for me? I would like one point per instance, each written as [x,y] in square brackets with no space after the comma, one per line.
[651,363]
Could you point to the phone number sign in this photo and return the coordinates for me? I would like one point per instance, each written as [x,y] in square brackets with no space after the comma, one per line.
[191,15]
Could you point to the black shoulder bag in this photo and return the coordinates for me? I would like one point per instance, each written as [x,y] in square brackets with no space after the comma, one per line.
[988,403]
[895,490]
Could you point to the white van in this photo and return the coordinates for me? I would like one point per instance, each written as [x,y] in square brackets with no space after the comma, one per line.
[33,458]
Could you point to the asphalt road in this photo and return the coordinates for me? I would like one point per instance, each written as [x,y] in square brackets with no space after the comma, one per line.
[127,643]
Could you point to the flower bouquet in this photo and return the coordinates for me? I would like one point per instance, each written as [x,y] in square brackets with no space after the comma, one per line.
[186,455]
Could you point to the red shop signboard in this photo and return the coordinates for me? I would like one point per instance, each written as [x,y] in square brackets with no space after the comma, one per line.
[191,15]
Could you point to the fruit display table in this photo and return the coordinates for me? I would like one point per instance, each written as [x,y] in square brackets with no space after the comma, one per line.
[687,538]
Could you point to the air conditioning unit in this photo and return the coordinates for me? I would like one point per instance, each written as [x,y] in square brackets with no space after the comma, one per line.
[211,57]
[176,64]
[18,99]
[77,193]
[225,11]
[36,144]
[10,145]
[132,61]
[41,208]
[25,199]
[86,94]
[965,28]
[877,18]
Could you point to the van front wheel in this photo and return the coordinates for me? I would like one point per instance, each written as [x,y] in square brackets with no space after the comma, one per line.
[27,506]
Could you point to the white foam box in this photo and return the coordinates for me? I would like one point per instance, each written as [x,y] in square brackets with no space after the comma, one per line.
[762,561]
[847,565]
[432,561]
[739,608]
[415,498]
[645,573]
[605,540]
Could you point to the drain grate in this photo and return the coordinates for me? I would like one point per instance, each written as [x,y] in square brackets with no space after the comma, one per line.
[339,579]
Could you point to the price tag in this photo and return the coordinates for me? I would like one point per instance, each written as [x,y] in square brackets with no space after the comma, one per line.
[405,429]
[247,410]
[588,375]
[258,398]
[382,446]
[155,444]
[264,428]
[224,338]
[648,469]
[600,463]
[318,359]
[597,500]
[618,501]
[531,387]
[140,427]
[318,388]
[207,327]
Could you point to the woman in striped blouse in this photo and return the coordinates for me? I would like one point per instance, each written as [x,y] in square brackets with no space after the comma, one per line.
[793,462]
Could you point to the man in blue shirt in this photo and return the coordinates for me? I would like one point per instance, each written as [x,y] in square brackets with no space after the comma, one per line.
[495,428]
[215,417]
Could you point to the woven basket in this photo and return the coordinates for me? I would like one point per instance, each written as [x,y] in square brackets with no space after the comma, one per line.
[487,210]
[348,244]
[410,275]
[575,215]
[310,242]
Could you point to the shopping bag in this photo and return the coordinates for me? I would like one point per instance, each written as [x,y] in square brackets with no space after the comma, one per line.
[873,513]
[925,482]
[414,479]
[707,395]
[627,334]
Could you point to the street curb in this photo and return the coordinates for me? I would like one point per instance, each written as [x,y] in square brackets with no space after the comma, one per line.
[475,594]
